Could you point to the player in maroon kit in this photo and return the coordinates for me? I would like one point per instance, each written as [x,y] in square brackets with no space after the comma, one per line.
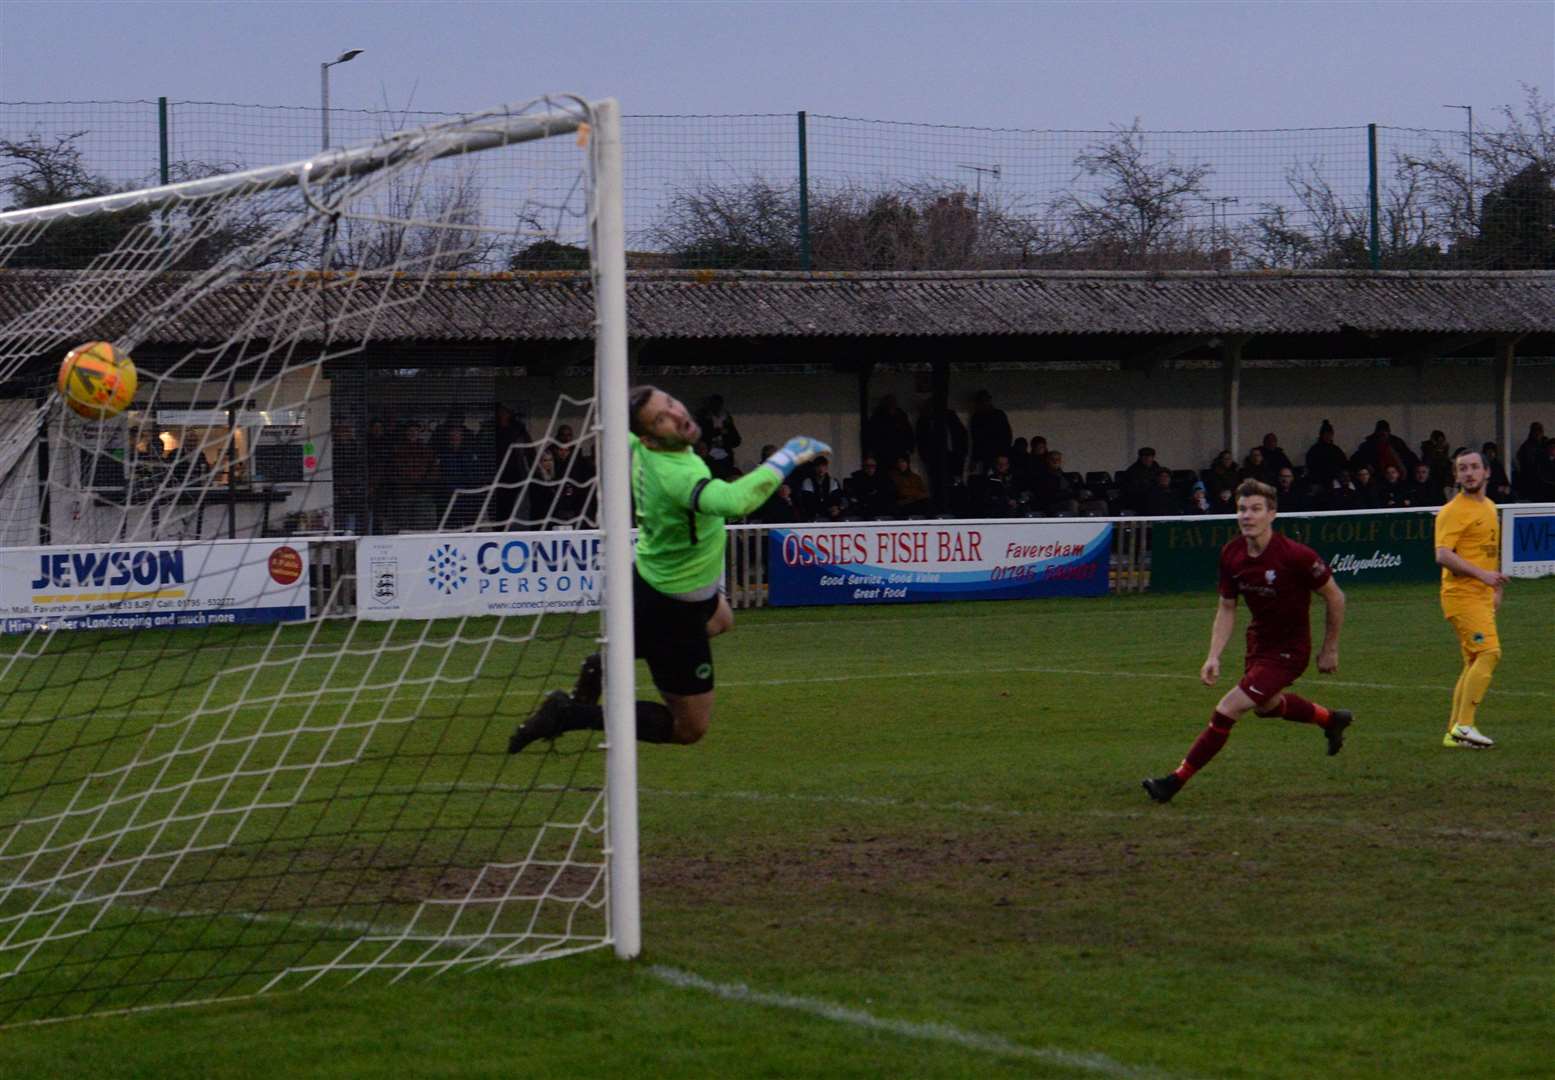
[1278,577]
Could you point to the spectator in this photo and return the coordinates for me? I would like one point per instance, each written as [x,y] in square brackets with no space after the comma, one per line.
[990,429]
[1391,488]
[998,493]
[1544,486]
[942,445]
[1198,499]
[1325,459]
[415,476]
[912,491]
[1274,459]
[1529,462]
[1383,448]
[1223,474]
[1425,490]
[1498,486]
[1160,500]
[1437,453]
[1292,499]
[888,435]
[779,509]
[379,476]
[510,439]
[869,494]
[1369,497]
[1052,493]
[1139,478]
[543,489]
[1344,494]
[463,476]
[1019,458]
[1254,467]
[722,437]
[820,493]
[1222,500]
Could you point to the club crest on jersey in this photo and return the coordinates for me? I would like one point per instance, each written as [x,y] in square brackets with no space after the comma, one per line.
[1268,575]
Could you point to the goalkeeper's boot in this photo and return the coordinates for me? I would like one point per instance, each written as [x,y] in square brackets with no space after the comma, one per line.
[544,724]
[1469,735]
[590,681]
[1338,720]
[1162,788]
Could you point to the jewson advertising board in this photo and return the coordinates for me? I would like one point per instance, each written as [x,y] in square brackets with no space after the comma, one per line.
[904,562]
[131,586]
[1528,540]
[444,576]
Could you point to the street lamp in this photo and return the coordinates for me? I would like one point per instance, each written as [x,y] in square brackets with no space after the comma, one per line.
[1470,110]
[349,54]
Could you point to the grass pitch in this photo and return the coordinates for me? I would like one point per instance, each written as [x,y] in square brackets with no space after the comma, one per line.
[915,844]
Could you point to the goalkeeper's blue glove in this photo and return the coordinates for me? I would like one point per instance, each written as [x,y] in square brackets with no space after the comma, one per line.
[800,450]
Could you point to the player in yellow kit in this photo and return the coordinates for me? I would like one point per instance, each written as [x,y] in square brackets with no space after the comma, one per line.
[1468,549]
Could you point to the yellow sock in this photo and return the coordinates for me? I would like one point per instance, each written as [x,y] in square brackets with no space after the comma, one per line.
[1457,692]
[1476,681]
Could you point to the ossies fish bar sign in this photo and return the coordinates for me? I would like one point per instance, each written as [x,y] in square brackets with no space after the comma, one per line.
[1362,548]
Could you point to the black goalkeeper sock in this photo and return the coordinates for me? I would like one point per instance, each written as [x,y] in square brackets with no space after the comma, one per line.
[655,723]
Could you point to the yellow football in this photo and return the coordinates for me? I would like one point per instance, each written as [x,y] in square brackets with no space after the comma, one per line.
[97,380]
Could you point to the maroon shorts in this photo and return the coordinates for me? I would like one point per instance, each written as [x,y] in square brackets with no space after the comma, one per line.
[1266,676]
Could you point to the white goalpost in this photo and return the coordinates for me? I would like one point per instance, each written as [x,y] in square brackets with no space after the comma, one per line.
[265,632]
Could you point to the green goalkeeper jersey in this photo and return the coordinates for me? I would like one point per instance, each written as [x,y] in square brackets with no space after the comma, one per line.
[680,515]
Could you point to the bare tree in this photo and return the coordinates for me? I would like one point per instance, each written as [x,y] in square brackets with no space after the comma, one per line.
[417,220]
[1140,212]
[747,224]
[37,172]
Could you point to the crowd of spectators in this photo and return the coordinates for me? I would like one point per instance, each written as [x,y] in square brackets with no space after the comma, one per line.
[412,474]
[981,469]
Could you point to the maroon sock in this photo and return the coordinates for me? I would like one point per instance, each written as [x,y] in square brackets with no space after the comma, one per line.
[1206,746]
[1301,711]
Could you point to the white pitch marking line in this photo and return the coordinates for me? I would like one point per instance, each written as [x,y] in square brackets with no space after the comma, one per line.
[931,1032]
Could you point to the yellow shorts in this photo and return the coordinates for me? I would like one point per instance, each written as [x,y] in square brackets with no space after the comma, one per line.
[1475,625]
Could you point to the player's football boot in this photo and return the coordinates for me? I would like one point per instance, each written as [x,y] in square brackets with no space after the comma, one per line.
[590,681]
[544,724]
[1469,735]
[1338,720]
[1162,788]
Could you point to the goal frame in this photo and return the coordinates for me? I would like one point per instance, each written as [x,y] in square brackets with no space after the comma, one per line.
[600,123]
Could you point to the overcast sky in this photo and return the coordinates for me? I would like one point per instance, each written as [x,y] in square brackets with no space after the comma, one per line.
[1087,65]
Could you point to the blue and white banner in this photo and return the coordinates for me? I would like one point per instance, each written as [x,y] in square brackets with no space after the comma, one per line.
[904,562]
[167,586]
[1528,541]
[450,575]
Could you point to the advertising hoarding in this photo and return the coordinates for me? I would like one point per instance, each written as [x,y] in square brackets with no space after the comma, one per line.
[912,562]
[132,585]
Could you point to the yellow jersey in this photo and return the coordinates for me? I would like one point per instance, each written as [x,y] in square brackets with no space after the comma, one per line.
[1470,528]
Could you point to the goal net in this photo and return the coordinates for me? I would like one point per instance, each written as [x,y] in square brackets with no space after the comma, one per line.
[267,630]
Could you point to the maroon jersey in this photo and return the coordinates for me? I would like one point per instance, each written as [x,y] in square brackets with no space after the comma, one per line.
[1278,587]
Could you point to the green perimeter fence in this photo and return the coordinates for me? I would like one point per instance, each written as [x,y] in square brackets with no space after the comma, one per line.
[812,191]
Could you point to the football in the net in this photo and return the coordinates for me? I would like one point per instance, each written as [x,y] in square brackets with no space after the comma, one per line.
[97,380]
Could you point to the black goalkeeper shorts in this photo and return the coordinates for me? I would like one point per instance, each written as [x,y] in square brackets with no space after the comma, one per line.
[671,635]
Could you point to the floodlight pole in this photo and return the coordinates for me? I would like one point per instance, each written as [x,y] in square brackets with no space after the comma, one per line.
[1470,110]
[349,54]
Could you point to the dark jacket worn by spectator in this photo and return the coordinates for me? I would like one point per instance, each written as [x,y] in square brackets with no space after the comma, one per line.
[1139,478]
[1325,458]
[1160,500]
[990,431]
[869,492]
[1529,461]
[721,436]
[821,496]
[889,433]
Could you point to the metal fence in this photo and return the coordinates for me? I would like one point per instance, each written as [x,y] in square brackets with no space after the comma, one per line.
[817,191]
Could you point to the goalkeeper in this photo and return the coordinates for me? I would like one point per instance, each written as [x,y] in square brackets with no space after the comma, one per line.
[677,575]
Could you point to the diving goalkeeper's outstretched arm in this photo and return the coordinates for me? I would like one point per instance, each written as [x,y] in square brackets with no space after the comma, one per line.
[677,594]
